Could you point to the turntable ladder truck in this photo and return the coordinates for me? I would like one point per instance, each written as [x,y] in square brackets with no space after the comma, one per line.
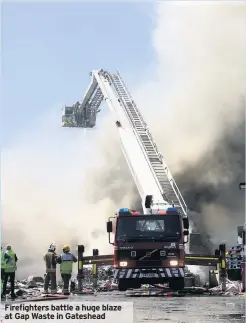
[154,181]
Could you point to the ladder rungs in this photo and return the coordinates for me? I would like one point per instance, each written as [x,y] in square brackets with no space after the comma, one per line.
[146,139]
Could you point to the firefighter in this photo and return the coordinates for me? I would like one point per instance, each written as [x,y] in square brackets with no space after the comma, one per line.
[50,276]
[66,260]
[10,269]
[4,258]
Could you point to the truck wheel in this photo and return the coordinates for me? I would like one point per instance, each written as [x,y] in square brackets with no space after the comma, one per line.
[177,284]
[122,285]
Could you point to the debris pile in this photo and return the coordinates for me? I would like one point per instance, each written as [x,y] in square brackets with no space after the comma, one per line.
[33,286]
[232,288]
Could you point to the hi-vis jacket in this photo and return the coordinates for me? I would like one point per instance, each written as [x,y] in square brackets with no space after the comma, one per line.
[66,261]
[4,258]
[11,263]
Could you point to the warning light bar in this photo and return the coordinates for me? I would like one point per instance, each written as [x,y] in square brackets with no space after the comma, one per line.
[126,210]
[169,210]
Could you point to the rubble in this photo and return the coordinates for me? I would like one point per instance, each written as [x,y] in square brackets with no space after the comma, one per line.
[232,288]
[107,286]
[33,286]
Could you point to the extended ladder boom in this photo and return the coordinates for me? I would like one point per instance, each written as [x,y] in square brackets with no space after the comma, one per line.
[153,179]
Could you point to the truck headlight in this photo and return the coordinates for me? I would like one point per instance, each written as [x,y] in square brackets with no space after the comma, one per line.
[123,263]
[173,263]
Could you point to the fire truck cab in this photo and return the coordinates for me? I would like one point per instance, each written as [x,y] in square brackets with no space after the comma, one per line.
[149,249]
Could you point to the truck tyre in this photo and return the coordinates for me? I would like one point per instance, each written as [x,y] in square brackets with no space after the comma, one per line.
[122,285]
[177,284]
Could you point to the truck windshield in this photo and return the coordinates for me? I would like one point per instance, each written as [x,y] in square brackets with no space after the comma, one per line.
[159,228]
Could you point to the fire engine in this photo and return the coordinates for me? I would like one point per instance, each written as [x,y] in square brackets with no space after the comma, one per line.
[149,249]
[148,245]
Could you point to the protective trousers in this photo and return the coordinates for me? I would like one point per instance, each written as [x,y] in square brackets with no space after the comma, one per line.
[11,278]
[66,279]
[50,277]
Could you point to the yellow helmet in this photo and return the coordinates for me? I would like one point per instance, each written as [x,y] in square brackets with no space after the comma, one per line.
[66,247]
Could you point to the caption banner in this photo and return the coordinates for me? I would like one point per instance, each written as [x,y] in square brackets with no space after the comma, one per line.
[119,312]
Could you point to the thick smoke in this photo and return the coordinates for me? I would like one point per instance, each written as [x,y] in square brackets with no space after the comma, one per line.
[46,196]
[196,109]
[199,94]
[55,185]
[211,185]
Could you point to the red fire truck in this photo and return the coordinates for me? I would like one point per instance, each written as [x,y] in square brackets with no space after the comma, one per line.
[148,249]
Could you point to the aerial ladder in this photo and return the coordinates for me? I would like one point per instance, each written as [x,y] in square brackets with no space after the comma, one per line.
[155,183]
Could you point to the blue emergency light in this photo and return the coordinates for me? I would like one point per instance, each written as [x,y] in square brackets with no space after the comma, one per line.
[124,210]
[171,209]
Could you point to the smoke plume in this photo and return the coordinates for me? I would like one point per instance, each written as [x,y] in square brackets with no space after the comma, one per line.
[199,94]
[55,187]
[46,196]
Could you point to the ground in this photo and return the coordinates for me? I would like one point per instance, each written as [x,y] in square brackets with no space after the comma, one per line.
[176,310]
[183,309]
